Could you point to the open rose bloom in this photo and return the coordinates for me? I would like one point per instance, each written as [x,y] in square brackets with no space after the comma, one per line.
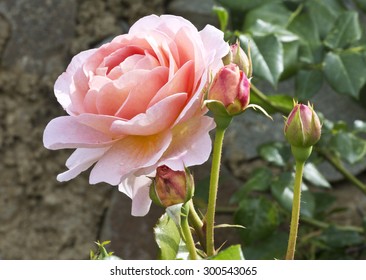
[136,103]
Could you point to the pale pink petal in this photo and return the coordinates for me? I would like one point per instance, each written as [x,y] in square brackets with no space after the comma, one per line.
[80,161]
[110,98]
[120,55]
[181,82]
[97,82]
[137,188]
[127,155]
[211,36]
[141,95]
[100,123]
[62,87]
[148,62]
[67,132]
[90,102]
[191,144]
[156,119]
[168,23]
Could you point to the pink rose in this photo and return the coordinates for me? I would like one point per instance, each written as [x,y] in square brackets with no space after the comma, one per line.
[135,104]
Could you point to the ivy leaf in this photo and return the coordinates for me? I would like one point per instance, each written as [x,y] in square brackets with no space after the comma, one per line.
[313,175]
[275,152]
[259,216]
[273,247]
[233,252]
[336,238]
[345,72]
[283,191]
[259,181]
[167,237]
[349,147]
[345,31]
[308,83]
[267,56]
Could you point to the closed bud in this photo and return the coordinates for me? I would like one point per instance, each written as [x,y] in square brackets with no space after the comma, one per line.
[302,127]
[237,56]
[171,187]
[231,87]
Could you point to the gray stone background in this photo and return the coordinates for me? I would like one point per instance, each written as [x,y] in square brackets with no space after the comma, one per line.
[41,218]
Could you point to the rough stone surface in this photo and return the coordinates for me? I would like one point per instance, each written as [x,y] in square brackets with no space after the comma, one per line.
[39,217]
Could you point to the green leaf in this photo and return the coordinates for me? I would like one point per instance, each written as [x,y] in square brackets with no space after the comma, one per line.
[349,147]
[273,247]
[323,201]
[336,238]
[262,28]
[242,5]
[345,72]
[324,13]
[284,102]
[233,252]
[258,181]
[311,49]
[275,152]
[313,175]
[274,14]
[267,56]
[167,237]
[223,16]
[283,191]
[345,31]
[291,59]
[259,216]
[308,83]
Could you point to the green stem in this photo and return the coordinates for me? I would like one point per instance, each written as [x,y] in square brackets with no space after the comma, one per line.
[214,180]
[339,166]
[262,97]
[188,236]
[295,211]
[197,224]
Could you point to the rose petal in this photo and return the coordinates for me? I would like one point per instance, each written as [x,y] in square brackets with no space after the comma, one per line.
[211,36]
[157,118]
[191,144]
[137,188]
[67,132]
[127,155]
[80,161]
[62,85]
[181,82]
[141,95]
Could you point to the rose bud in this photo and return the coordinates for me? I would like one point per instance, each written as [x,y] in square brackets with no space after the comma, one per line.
[171,187]
[230,87]
[237,56]
[302,127]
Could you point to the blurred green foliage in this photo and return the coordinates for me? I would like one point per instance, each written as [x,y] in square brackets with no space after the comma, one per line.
[312,42]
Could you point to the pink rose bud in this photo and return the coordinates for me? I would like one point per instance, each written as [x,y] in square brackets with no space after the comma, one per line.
[237,56]
[171,187]
[302,127]
[231,87]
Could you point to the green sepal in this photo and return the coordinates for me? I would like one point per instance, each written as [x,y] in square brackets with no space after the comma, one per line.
[301,154]
[221,116]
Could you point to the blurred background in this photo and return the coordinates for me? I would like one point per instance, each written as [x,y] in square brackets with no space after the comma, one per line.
[41,218]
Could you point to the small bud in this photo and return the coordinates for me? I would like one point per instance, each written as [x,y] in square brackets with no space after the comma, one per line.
[171,187]
[302,127]
[237,56]
[231,87]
